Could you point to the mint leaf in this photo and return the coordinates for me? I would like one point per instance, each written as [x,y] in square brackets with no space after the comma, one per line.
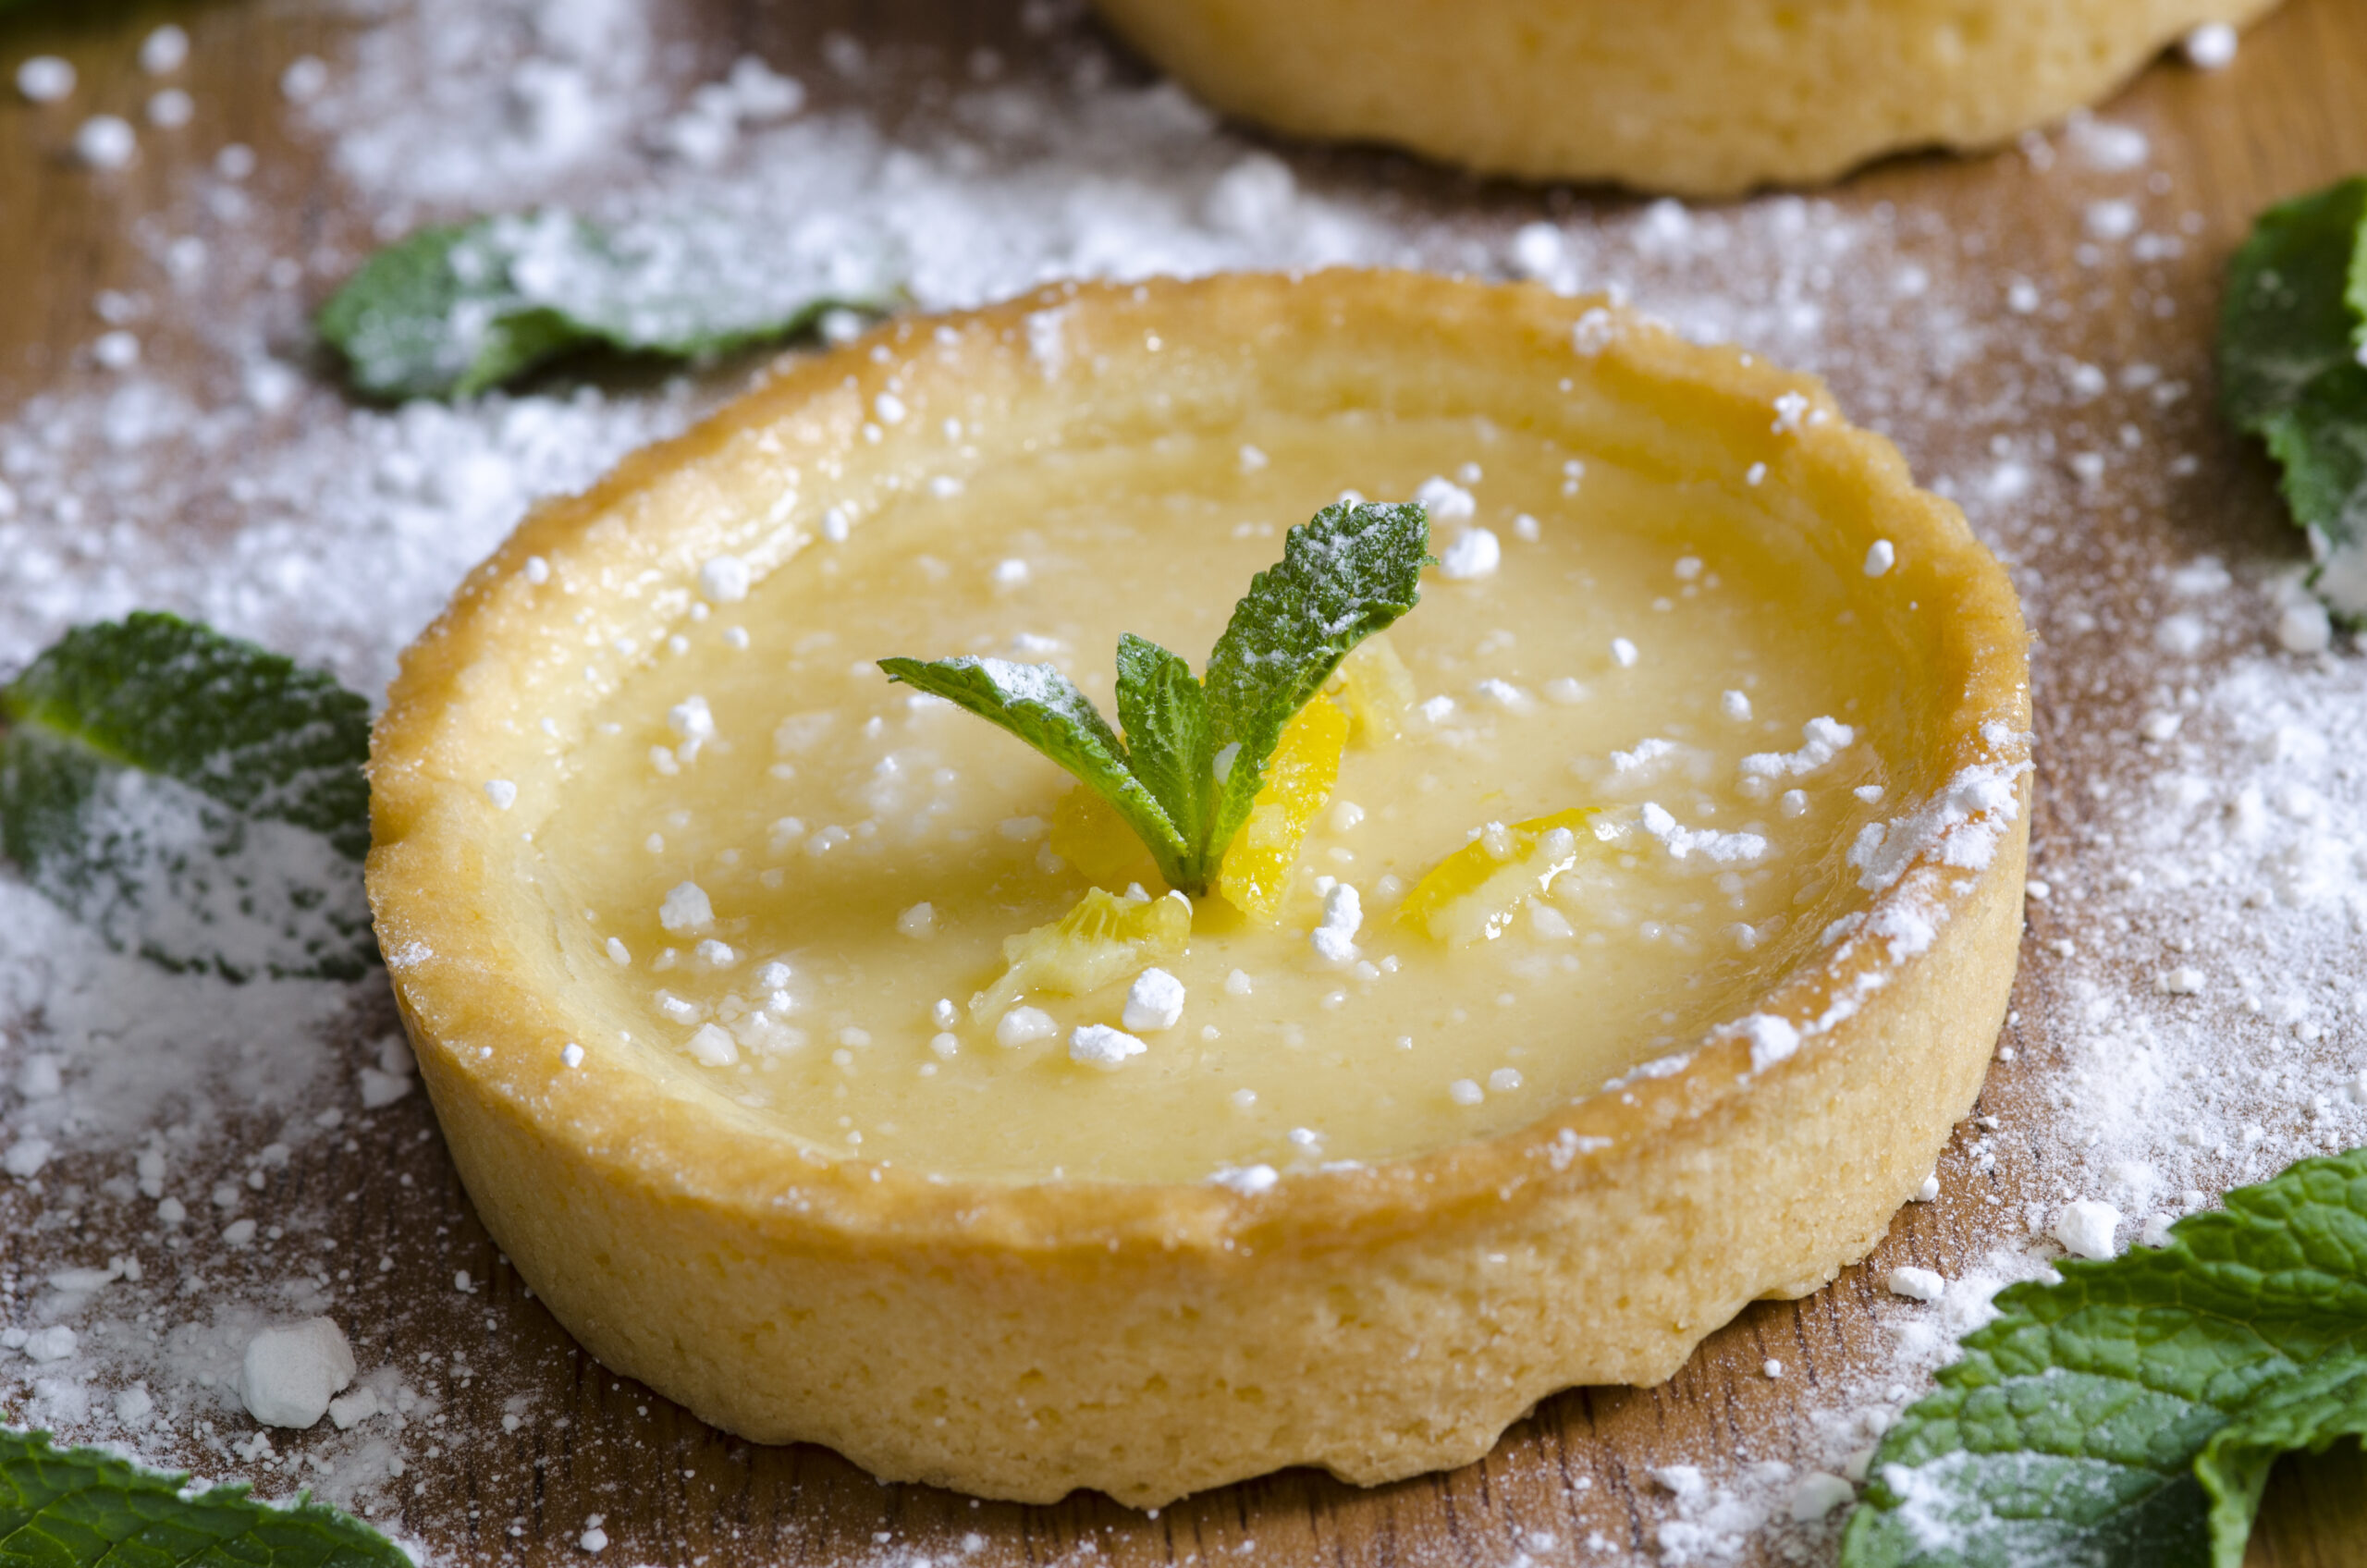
[2311,1408]
[2290,331]
[1169,746]
[79,1508]
[193,798]
[2288,316]
[1037,704]
[2319,441]
[1195,754]
[1349,572]
[2070,1430]
[454,309]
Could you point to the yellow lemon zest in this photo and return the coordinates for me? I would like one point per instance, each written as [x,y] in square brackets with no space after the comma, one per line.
[1299,776]
[1473,894]
[1377,688]
[1088,833]
[1106,937]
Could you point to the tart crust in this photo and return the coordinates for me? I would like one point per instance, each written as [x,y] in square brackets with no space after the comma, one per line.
[1698,97]
[1377,1321]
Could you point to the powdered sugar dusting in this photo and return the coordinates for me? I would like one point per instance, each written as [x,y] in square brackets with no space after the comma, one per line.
[179,1151]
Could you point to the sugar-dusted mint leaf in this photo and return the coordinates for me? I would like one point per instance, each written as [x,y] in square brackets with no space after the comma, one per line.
[1195,752]
[2290,312]
[79,1508]
[192,798]
[1170,747]
[2069,1434]
[1040,705]
[1349,572]
[2292,330]
[451,311]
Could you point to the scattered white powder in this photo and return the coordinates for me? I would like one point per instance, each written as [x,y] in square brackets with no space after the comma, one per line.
[1823,739]
[1334,939]
[1915,1284]
[1505,695]
[724,580]
[1445,501]
[248,491]
[46,79]
[1816,1495]
[2085,1228]
[1473,554]
[351,1410]
[1878,556]
[1645,756]
[712,1045]
[289,1374]
[1154,1002]
[26,1157]
[1247,1180]
[686,908]
[1772,1040]
[106,141]
[1097,1045]
[1024,1025]
[164,50]
[1710,844]
[2305,628]
[2211,47]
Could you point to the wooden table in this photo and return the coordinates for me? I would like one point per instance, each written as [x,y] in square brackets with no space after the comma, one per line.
[2287,117]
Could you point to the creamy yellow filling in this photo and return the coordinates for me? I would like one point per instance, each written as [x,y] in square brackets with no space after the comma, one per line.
[774,866]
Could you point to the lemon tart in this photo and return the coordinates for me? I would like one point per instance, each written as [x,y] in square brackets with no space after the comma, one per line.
[1702,98]
[1612,943]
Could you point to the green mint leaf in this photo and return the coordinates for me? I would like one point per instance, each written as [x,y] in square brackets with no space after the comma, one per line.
[2319,441]
[2311,1408]
[1198,751]
[1169,747]
[1347,573]
[79,1508]
[451,311]
[2289,315]
[192,798]
[1037,704]
[2070,1432]
[2290,332]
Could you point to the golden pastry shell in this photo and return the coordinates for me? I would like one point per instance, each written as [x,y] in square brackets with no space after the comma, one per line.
[788,1292]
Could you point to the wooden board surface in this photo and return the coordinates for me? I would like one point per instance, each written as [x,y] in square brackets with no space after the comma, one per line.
[673,1490]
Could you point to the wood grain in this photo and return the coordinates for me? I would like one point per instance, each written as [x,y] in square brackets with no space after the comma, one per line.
[673,1490]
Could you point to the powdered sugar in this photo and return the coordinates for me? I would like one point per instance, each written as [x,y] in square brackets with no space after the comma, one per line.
[241,486]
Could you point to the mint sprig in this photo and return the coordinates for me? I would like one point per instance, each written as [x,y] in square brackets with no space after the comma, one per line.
[2126,1417]
[1195,752]
[2290,332]
[79,1508]
[452,310]
[192,798]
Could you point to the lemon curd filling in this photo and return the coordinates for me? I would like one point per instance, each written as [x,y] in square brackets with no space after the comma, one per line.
[1642,739]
